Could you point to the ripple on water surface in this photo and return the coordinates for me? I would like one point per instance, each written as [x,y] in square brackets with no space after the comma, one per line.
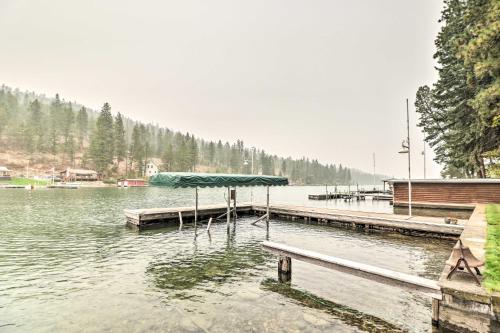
[67,262]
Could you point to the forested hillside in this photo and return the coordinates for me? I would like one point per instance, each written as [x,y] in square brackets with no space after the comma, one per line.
[58,134]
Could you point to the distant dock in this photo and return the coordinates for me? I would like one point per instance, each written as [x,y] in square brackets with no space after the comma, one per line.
[415,226]
[352,195]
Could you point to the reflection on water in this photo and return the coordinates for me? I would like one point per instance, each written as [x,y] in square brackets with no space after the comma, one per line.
[68,263]
[350,316]
[223,265]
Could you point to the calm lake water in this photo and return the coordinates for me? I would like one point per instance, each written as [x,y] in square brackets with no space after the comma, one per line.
[68,263]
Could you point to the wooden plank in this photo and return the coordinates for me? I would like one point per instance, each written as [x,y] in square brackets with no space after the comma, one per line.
[381,275]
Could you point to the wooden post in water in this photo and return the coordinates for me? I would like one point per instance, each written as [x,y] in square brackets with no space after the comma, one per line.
[326,188]
[209,224]
[267,207]
[435,312]
[196,207]
[228,213]
[284,269]
[234,205]
[180,221]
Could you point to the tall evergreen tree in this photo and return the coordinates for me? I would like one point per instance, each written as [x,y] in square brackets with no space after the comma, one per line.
[55,110]
[137,150]
[102,142]
[68,132]
[82,123]
[458,113]
[34,133]
[119,137]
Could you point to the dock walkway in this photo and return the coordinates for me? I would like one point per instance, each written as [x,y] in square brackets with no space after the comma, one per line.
[370,220]
[418,226]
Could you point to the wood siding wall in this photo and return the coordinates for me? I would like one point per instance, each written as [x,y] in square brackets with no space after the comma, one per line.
[465,193]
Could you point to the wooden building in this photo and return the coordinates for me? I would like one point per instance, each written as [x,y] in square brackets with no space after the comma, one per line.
[5,174]
[446,191]
[131,183]
[79,175]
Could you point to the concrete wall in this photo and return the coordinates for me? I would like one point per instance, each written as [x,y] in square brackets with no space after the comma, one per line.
[465,306]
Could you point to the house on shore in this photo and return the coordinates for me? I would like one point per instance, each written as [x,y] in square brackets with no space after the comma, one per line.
[5,174]
[151,169]
[79,175]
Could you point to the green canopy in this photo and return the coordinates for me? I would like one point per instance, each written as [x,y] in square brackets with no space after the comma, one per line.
[188,179]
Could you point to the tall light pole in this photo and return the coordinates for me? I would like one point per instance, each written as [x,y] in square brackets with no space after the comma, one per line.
[251,188]
[253,150]
[423,153]
[374,171]
[407,150]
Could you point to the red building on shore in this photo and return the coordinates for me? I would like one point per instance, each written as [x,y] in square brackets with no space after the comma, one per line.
[132,182]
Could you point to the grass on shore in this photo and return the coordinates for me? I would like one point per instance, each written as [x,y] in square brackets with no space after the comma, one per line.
[492,273]
[25,181]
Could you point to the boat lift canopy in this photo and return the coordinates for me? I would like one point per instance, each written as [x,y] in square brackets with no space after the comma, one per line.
[195,180]
[191,179]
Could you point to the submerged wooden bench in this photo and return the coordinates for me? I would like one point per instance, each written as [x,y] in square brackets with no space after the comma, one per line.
[285,254]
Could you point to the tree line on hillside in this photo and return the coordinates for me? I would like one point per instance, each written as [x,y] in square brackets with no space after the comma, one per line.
[117,146]
[460,114]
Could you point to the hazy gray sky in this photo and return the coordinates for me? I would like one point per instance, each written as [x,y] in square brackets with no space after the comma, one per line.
[323,79]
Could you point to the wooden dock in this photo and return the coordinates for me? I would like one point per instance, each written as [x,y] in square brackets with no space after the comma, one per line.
[156,217]
[353,195]
[416,226]
[387,197]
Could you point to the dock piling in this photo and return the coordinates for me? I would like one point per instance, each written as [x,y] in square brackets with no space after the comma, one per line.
[267,207]
[284,269]
[180,221]
[228,213]
[235,215]
[196,207]
[435,312]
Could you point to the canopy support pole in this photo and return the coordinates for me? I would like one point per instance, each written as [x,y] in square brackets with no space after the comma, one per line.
[180,221]
[267,207]
[235,216]
[196,207]
[228,214]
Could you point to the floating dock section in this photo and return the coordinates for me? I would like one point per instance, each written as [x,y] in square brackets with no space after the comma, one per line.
[415,226]
[157,217]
